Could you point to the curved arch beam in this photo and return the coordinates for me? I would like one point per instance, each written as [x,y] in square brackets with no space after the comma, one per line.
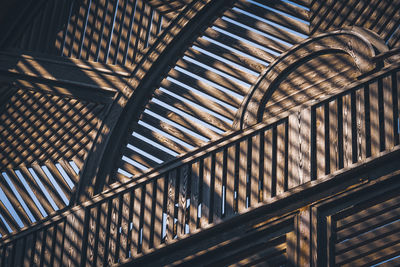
[348,41]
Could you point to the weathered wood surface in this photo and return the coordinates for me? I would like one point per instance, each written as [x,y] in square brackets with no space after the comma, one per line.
[162,197]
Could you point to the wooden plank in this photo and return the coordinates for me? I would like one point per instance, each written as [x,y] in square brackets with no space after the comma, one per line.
[38,247]
[205,102]
[69,32]
[259,25]
[136,199]
[218,186]
[9,194]
[58,243]
[230,181]
[299,148]
[197,171]
[125,226]
[304,237]
[148,218]
[24,194]
[70,172]
[211,76]
[60,180]
[144,27]
[9,218]
[103,232]
[203,87]
[389,120]
[320,141]
[281,159]
[347,131]
[159,211]
[9,252]
[48,246]
[230,55]
[20,251]
[183,191]
[184,121]
[371,252]
[207,190]
[134,34]
[228,69]
[80,29]
[74,227]
[115,222]
[374,117]
[243,175]
[106,32]
[170,226]
[333,136]
[48,185]
[252,36]
[171,130]
[268,160]
[126,32]
[160,139]
[361,124]
[29,249]
[280,19]
[90,29]
[116,31]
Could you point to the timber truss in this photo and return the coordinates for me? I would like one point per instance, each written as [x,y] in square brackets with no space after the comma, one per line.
[200,132]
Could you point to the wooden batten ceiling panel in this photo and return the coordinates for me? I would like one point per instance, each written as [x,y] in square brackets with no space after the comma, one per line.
[198,98]
[380,16]
[112,32]
[44,140]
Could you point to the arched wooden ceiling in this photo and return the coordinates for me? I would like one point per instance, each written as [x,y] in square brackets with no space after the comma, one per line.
[194,102]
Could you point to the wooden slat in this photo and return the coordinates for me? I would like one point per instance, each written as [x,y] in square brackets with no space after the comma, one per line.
[60,180]
[183,121]
[80,29]
[320,141]
[116,31]
[24,195]
[299,148]
[29,249]
[161,139]
[136,198]
[189,109]
[256,174]
[371,251]
[170,226]
[194,195]
[138,157]
[135,31]
[251,36]
[49,186]
[92,237]
[218,189]
[9,218]
[360,121]
[213,77]
[230,55]
[281,179]
[389,120]
[144,27]
[73,238]
[183,190]
[126,32]
[204,87]
[20,246]
[347,131]
[90,30]
[58,246]
[106,32]
[243,175]
[48,246]
[333,136]
[283,20]
[264,27]
[148,218]
[115,222]
[268,184]
[125,226]
[159,211]
[207,190]
[374,118]
[95,39]
[103,233]
[171,130]
[198,99]
[141,144]
[220,66]
[230,181]
[38,247]
[70,172]
[14,202]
